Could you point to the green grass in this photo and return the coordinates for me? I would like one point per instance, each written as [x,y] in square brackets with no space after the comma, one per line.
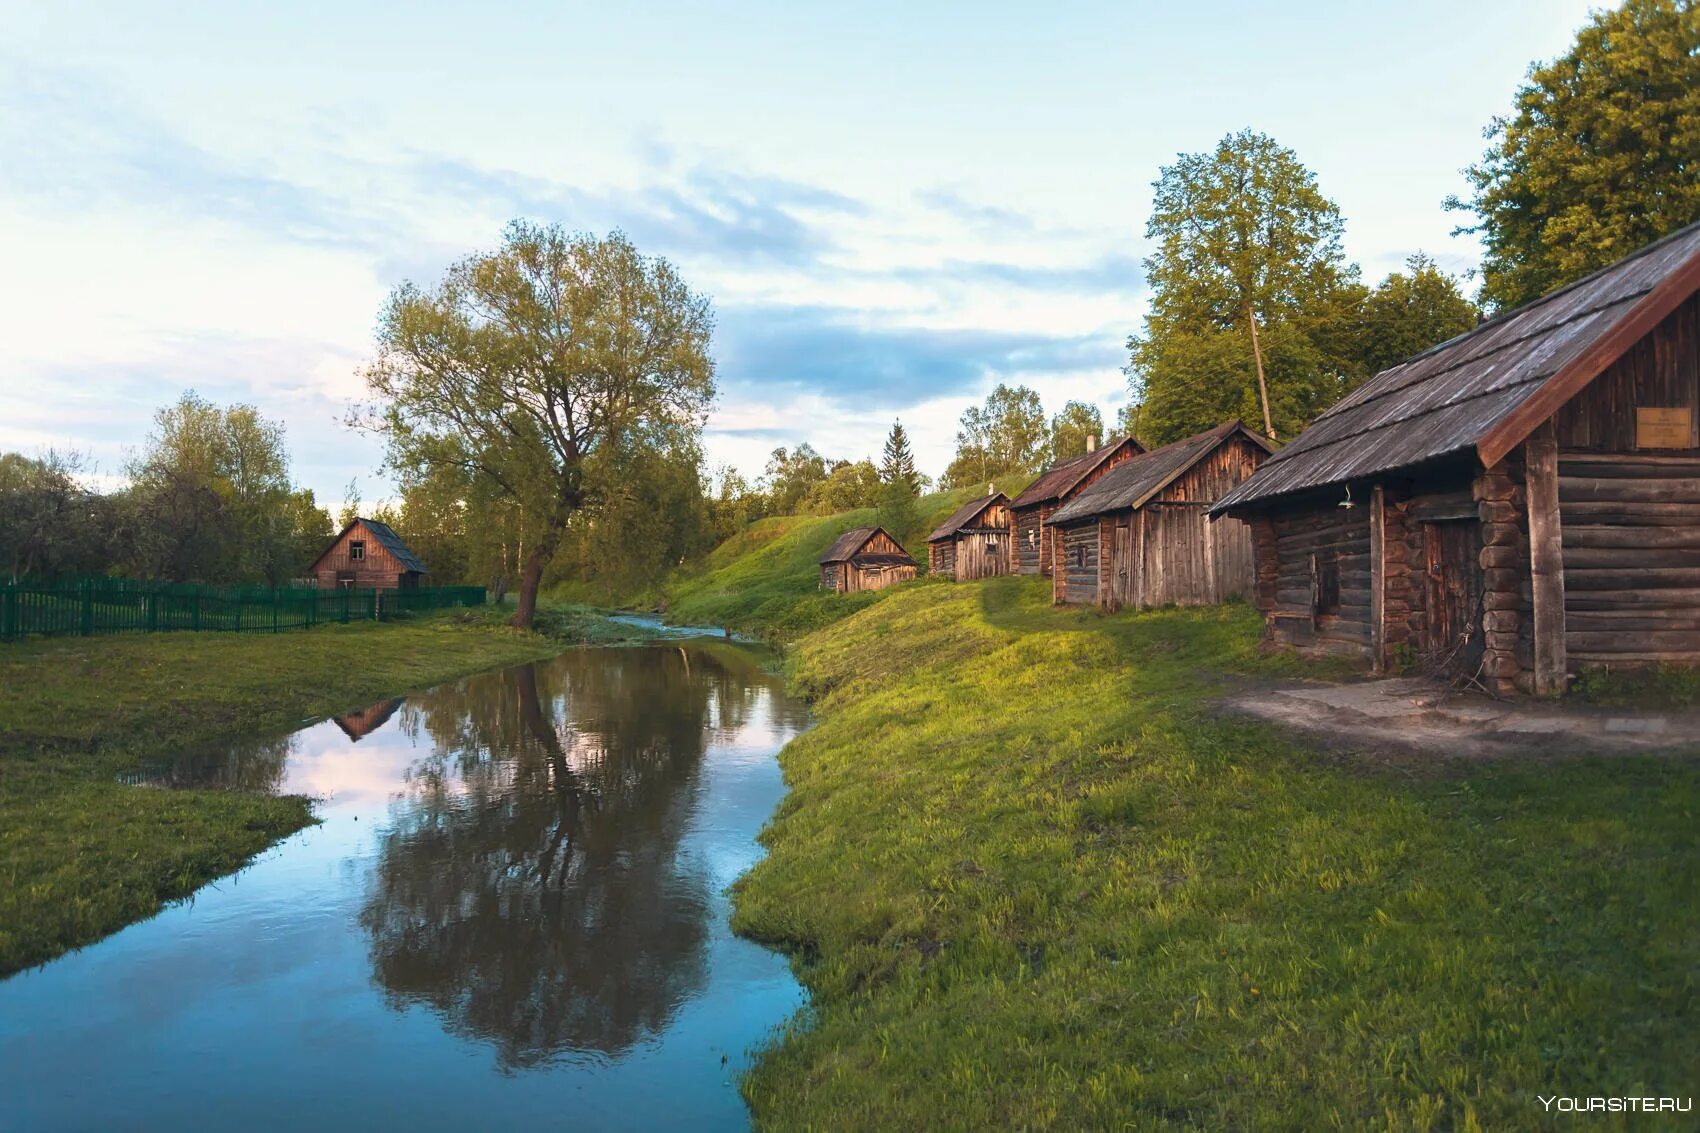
[82,855]
[1032,881]
[766,579]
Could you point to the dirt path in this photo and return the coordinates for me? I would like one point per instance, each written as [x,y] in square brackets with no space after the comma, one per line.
[1417,714]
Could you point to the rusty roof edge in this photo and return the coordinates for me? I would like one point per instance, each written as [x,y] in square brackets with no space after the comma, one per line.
[1087,466]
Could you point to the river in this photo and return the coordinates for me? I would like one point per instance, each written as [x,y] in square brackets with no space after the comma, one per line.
[513,914]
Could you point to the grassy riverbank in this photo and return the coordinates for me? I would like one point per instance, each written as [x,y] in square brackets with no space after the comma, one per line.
[1031,881]
[81,854]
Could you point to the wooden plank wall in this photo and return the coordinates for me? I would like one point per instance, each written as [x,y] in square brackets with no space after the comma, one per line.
[829,576]
[379,570]
[875,578]
[981,554]
[1301,534]
[1079,568]
[1631,549]
[1030,550]
[1662,370]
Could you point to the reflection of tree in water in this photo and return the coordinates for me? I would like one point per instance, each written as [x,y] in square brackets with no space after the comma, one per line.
[529,889]
[253,765]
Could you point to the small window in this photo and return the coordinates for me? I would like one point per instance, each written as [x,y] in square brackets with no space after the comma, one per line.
[1325,583]
[1032,536]
[1080,557]
[356,550]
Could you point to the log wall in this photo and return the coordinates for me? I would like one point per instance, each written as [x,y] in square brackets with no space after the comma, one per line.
[376,570]
[1078,571]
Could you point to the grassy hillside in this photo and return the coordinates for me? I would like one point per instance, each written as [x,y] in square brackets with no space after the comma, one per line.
[766,579]
[1033,882]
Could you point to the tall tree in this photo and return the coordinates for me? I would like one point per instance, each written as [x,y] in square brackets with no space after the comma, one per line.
[1409,312]
[51,523]
[897,463]
[1600,155]
[1248,281]
[1007,434]
[791,474]
[1072,430]
[540,368]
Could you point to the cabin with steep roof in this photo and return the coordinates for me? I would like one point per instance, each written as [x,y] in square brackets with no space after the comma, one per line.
[1139,535]
[1056,486]
[369,555]
[977,541]
[864,558]
[1510,505]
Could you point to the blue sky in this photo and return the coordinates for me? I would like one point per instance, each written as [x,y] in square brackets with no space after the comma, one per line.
[895,206]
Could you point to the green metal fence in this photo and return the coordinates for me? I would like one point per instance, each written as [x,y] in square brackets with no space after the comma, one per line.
[86,606]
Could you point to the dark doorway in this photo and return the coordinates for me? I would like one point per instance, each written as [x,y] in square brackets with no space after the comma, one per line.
[1452,592]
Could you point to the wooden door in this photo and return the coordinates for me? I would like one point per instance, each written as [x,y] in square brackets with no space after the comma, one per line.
[1124,568]
[1452,633]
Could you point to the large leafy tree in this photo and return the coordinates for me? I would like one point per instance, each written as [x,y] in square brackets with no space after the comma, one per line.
[1409,312]
[1078,425]
[210,498]
[1249,289]
[1600,155]
[50,522]
[543,369]
[1007,434]
[792,474]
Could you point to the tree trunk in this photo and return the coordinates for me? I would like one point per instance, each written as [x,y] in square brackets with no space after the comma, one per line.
[531,575]
[1262,385]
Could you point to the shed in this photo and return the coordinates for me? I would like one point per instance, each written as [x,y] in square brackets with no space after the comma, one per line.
[864,558]
[1510,504]
[1055,487]
[368,554]
[977,541]
[1139,535]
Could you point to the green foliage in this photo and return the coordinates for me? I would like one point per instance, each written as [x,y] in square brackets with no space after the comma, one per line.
[210,500]
[1006,435]
[897,461]
[49,523]
[1599,156]
[546,371]
[1408,313]
[1073,428]
[846,487]
[1243,233]
[790,476]
[1110,907]
[83,854]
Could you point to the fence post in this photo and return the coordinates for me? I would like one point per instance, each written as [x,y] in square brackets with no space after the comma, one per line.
[276,598]
[88,607]
[195,610]
[9,619]
[345,605]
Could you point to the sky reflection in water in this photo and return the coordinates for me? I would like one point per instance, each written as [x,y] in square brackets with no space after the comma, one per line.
[513,912]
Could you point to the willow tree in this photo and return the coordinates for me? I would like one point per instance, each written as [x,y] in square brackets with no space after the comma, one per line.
[543,370]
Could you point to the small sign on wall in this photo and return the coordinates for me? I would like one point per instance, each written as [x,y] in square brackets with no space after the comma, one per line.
[1663,428]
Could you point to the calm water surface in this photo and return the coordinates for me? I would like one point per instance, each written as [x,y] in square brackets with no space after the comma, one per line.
[514,914]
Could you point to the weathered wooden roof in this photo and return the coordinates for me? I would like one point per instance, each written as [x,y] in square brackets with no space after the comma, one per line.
[961,517]
[846,545]
[1059,479]
[1487,389]
[384,534]
[1133,482]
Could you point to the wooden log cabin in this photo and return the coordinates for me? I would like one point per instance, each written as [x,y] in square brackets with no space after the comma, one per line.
[1140,535]
[864,558]
[1056,486]
[1510,505]
[977,541]
[370,555]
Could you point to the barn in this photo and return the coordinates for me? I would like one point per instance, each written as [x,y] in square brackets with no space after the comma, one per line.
[1055,487]
[1510,505]
[370,555]
[977,541]
[864,558]
[1139,535]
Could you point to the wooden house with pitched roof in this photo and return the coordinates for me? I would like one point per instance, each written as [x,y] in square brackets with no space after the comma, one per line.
[1509,505]
[977,541]
[370,555]
[1056,486]
[864,558]
[1139,535]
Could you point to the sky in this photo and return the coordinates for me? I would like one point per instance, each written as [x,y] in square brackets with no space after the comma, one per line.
[893,206]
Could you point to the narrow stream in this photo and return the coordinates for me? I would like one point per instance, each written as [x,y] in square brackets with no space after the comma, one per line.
[513,914]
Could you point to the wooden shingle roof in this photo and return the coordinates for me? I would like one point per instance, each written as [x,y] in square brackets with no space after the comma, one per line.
[1487,389]
[1059,479]
[1133,482]
[961,516]
[846,545]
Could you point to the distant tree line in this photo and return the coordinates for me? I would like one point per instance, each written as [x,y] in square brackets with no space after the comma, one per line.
[209,499]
